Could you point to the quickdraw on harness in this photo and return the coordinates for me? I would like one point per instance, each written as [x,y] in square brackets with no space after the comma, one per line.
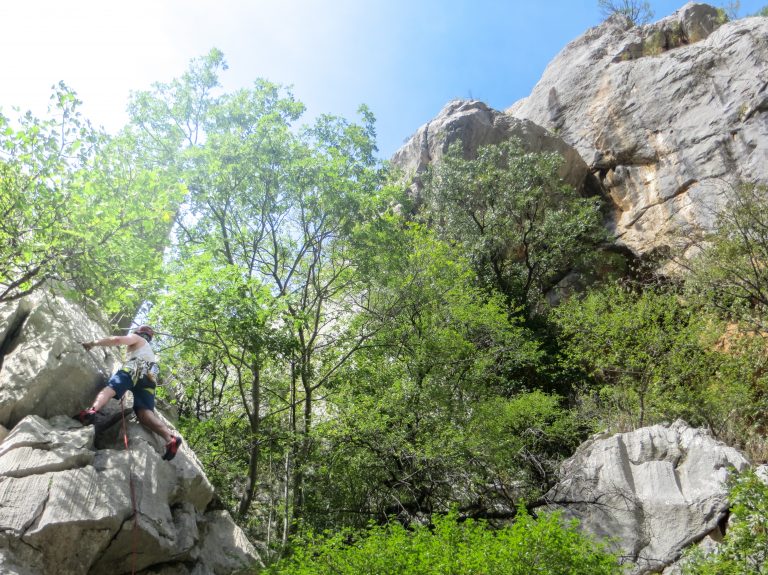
[140,369]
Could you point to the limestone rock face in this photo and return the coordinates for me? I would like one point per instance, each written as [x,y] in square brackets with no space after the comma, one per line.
[667,115]
[43,368]
[713,539]
[475,125]
[73,499]
[656,490]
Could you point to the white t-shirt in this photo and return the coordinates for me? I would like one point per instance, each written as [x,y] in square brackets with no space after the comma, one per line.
[144,352]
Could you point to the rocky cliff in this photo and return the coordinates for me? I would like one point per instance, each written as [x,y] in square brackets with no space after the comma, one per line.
[666,117]
[77,500]
[662,120]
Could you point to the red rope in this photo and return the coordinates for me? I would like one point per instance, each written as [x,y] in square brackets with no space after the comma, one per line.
[134,531]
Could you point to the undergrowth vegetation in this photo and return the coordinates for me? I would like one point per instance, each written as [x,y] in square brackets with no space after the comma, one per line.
[544,545]
[744,551]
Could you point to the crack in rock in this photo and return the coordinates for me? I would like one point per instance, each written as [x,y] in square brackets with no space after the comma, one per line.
[13,332]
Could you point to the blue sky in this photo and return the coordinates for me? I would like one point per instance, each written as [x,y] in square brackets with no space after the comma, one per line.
[403,58]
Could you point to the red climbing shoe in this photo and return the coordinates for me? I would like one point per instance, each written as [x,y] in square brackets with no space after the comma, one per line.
[171,448]
[86,416]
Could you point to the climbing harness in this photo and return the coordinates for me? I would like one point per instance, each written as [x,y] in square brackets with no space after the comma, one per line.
[140,368]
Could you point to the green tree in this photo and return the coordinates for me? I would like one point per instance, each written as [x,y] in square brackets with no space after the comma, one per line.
[652,358]
[40,160]
[266,219]
[744,551]
[434,409]
[78,207]
[222,363]
[520,226]
[638,12]
[727,277]
[730,273]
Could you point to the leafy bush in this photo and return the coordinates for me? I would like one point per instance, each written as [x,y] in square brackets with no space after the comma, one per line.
[729,274]
[510,213]
[530,546]
[745,548]
[652,358]
[80,207]
[521,441]
[638,12]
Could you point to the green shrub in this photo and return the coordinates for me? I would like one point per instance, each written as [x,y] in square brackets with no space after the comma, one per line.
[650,358]
[545,546]
[744,550]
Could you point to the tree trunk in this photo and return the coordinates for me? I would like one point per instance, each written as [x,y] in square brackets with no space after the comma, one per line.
[255,451]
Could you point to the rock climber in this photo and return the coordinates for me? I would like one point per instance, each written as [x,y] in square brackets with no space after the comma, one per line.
[138,375]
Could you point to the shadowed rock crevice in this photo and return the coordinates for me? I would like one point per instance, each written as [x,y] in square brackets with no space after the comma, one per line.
[12,333]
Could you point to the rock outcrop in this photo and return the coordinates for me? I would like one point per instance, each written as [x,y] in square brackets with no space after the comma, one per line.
[43,370]
[668,116]
[655,490]
[73,499]
[474,124]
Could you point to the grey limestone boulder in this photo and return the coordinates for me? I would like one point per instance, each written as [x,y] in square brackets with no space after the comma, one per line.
[655,490]
[669,116]
[70,508]
[715,537]
[762,473]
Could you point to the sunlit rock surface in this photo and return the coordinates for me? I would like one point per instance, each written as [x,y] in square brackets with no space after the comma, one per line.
[656,490]
[73,500]
[474,124]
[668,116]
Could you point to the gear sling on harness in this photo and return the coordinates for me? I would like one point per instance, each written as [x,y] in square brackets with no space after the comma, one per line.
[141,369]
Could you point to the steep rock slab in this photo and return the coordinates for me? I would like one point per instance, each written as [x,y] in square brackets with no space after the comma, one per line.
[43,368]
[223,543]
[667,115]
[474,124]
[69,508]
[655,490]
[33,447]
[72,498]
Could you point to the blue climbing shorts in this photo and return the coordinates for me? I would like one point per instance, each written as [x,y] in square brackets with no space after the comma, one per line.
[143,391]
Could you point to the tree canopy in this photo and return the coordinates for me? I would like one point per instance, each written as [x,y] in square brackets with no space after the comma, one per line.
[523,229]
[81,208]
